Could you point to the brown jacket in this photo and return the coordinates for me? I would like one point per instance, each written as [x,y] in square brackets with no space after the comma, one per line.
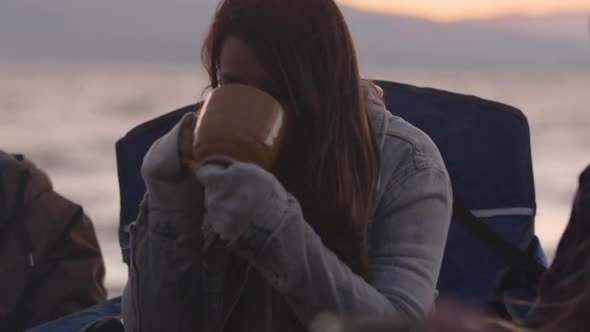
[67,271]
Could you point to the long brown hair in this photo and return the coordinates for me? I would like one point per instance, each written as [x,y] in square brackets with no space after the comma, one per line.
[331,160]
[564,294]
[563,302]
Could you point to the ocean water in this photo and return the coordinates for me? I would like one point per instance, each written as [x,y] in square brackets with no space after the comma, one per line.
[67,119]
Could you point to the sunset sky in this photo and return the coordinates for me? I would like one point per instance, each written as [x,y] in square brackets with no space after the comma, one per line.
[456,10]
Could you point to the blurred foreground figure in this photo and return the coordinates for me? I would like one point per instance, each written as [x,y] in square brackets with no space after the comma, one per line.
[51,263]
[564,295]
[449,317]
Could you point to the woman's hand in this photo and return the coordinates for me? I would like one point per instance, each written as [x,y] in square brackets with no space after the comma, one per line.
[238,195]
[170,187]
[185,142]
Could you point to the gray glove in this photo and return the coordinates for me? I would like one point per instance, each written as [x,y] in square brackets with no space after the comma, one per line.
[238,196]
[171,188]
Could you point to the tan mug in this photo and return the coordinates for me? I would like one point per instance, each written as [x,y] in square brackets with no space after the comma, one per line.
[242,123]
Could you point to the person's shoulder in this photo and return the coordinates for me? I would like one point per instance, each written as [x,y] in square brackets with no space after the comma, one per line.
[407,149]
[7,161]
[16,170]
[411,165]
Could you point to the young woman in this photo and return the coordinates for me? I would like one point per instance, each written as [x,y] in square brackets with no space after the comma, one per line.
[352,220]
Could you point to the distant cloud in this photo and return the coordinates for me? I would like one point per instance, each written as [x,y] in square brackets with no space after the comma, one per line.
[458,10]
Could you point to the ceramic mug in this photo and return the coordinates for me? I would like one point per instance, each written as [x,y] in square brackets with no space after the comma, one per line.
[239,122]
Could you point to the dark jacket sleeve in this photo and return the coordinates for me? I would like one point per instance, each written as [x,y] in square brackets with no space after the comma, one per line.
[72,273]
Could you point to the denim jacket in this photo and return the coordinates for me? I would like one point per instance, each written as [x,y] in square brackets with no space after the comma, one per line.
[174,286]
